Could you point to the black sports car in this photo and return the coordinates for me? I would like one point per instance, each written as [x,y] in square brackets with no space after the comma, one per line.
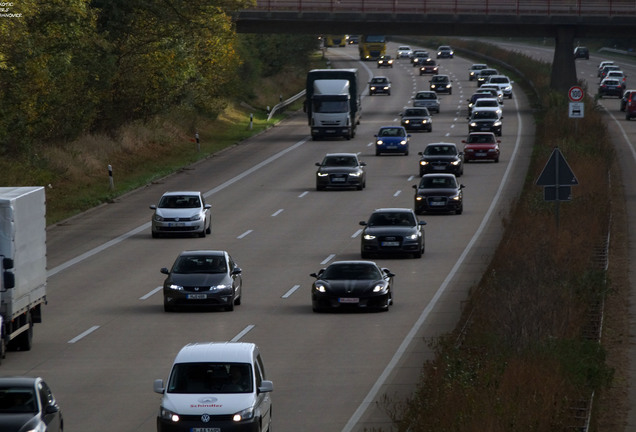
[352,284]
[392,231]
[202,278]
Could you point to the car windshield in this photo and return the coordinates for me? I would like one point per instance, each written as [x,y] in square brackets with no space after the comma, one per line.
[353,271]
[441,79]
[391,218]
[180,201]
[326,107]
[391,132]
[425,96]
[378,80]
[440,150]
[499,80]
[200,264]
[487,103]
[484,115]
[195,378]
[481,139]
[15,399]
[340,161]
[437,182]
[416,112]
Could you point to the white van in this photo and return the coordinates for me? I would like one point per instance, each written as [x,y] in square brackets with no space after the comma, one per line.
[216,387]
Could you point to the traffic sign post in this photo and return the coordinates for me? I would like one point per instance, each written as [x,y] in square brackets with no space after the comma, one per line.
[575,94]
[557,178]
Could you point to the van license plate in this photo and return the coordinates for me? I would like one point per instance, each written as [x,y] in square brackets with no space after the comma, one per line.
[205,430]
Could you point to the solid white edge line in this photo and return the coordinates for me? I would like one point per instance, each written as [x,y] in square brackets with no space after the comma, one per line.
[368,400]
[86,333]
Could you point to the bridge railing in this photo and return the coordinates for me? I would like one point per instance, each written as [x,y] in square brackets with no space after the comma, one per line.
[490,7]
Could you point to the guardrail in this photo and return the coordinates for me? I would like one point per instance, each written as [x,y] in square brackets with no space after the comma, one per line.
[489,7]
[284,103]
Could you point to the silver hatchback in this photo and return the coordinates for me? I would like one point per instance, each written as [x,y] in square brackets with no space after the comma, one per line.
[181,212]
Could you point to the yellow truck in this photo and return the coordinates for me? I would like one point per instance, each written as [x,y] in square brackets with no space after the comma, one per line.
[372,47]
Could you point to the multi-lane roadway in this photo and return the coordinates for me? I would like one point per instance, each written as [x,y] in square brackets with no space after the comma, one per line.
[105,336]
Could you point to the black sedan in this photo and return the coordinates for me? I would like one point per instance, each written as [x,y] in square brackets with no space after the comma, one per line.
[485,120]
[28,404]
[441,157]
[392,231]
[417,119]
[202,278]
[341,170]
[439,193]
[352,285]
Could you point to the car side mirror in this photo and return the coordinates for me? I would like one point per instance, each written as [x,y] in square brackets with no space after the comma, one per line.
[461,186]
[317,163]
[165,270]
[207,206]
[363,223]
[237,271]
[153,207]
[363,164]
[421,222]
[414,187]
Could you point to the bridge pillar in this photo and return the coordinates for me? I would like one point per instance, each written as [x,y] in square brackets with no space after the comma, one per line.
[563,67]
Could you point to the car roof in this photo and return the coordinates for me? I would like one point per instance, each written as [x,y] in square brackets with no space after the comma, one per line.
[426,92]
[341,154]
[202,253]
[439,175]
[239,352]
[479,64]
[489,99]
[441,143]
[346,262]
[393,209]
[182,193]
[19,380]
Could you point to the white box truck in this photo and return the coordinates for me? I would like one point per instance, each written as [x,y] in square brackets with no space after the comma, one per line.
[22,264]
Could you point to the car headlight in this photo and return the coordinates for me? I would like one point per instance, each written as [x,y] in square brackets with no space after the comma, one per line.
[424,162]
[368,237]
[246,414]
[455,163]
[379,287]
[386,87]
[508,88]
[322,174]
[404,142]
[158,218]
[196,217]
[379,142]
[175,287]
[406,121]
[355,174]
[168,415]
[472,124]
[425,121]
[455,197]
[321,288]
[432,86]
[373,88]
[448,85]
[419,198]
[413,236]
[220,287]
[497,123]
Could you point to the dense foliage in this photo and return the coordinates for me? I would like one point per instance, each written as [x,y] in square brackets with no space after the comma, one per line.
[68,67]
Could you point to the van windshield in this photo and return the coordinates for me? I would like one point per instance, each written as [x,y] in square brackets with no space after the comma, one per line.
[196,378]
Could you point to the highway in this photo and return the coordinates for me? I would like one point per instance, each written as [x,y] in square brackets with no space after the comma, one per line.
[105,336]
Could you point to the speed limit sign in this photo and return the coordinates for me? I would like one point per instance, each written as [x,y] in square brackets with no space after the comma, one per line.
[575,94]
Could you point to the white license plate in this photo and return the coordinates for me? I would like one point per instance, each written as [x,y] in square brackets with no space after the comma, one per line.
[330,131]
[205,430]
[437,203]
[438,168]
[197,296]
[391,147]
[176,224]
[390,243]
[338,179]
[482,154]
[349,300]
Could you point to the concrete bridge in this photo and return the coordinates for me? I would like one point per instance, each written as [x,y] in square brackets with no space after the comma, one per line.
[563,20]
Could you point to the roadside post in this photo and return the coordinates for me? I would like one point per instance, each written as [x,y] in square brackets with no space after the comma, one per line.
[557,180]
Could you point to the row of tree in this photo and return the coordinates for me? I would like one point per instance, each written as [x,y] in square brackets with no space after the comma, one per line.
[72,66]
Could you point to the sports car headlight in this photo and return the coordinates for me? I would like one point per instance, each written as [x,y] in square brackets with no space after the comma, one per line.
[369,237]
[175,287]
[246,414]
[321,288]
[321,174]
[168,415]
[378,288]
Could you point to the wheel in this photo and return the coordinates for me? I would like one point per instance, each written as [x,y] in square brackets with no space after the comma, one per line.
[459,210]
[155,235]
[209,230]
[365,255]
[417,254]
[202,233]
[230,307]
[167,307]
[497,160]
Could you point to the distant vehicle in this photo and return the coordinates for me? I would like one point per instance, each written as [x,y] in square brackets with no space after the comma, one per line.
[427,99]
[474,69]
[488,102]
[392,139]
[441,84]
[441,157]
[202,278]
[481,146]
[628,96]
[485,120]
[610,87]
[602,64]
[335,40]
[181,212]
[385,61]
[215,386]
[493,90]
[607,69]
[379,85]
[581,52]
[418,57]
[353,40]
[439,193]
[372,47]
[619,75]
[482,75]
[503,82]
[404,51]
[429,67]
[352,285]
[630,109]
[392,231]
[341,170]
[474,98]
[27,404]
[445,51]
[417,119]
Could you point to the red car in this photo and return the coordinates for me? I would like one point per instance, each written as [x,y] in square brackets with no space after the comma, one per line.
[429,66]
[481,146]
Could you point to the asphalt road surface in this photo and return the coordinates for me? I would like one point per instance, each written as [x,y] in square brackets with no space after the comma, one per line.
[105,336]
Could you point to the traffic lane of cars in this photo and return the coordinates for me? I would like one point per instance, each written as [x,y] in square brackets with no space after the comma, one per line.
[108,287]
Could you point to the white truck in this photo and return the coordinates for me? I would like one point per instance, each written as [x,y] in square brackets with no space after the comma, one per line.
[22,265]
[333,102]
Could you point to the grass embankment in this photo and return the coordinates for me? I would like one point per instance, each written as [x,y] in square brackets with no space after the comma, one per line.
[520,360]
[76,173]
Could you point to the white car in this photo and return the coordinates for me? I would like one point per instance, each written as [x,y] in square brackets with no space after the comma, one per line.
[602,64]
[183,212]
[488,103]
[503,82]
[404,51]
[493,90]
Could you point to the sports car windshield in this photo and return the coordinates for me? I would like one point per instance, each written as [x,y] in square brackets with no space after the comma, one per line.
[351,272]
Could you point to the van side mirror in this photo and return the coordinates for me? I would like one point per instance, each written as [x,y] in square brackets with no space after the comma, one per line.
[266,387]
